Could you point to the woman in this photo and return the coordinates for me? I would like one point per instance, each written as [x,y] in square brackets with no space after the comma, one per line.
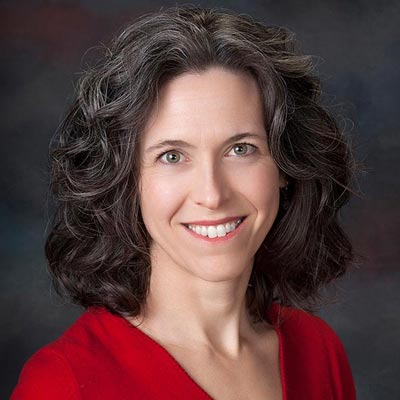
[199,181]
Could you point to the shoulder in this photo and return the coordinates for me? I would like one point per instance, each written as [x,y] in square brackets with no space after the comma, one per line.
[312,352]
[55,370]
[303,326]
[46,375]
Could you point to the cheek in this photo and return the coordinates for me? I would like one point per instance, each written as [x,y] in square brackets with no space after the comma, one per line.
[159,197]
[262,187]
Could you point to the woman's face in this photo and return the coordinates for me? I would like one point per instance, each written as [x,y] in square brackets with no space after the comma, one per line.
[205,166]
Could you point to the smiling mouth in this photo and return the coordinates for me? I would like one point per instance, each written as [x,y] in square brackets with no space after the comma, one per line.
[214,231]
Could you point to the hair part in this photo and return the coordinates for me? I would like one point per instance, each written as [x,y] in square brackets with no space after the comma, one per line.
[98,248]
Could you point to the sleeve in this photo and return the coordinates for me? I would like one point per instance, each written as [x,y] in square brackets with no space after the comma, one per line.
[46,375]
[340,370]
[315,362]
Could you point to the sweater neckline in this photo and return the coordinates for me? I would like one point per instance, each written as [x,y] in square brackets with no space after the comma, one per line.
[274,313]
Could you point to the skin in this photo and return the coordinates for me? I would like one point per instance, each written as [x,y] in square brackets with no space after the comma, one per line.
[195,284]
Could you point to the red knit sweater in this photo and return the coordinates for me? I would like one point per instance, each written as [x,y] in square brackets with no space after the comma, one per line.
[102,356]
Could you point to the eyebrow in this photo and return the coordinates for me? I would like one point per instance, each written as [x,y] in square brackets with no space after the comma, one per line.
[182,143]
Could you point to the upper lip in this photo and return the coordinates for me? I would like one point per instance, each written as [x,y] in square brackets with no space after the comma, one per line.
[214,222]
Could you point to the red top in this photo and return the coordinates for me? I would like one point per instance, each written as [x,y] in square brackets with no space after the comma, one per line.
[103,356]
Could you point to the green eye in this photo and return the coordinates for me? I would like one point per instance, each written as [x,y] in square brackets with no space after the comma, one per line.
[171,157]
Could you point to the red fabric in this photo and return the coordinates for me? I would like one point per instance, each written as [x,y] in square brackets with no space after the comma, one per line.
[102,356]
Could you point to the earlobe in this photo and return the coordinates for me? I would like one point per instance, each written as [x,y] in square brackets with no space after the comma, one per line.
[284,195]
[283,181]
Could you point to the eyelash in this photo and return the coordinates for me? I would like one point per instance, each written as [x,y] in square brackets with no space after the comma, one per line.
[254,147]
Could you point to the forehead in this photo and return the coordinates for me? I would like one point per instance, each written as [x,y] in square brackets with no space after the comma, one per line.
[199,105]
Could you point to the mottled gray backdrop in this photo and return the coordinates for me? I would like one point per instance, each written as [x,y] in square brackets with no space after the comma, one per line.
[43,47]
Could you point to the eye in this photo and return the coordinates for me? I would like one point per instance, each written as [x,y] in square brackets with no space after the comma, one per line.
[170,157]
[244,149]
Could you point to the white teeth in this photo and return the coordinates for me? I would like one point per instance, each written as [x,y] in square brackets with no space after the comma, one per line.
[221,230]
[215,231]
[212,232]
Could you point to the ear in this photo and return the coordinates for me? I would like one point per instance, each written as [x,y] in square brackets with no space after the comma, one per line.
[283,180]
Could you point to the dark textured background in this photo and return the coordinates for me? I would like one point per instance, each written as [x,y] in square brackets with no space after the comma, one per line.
[357,44]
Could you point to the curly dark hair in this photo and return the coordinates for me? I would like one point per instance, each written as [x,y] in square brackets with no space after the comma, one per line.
[98,248]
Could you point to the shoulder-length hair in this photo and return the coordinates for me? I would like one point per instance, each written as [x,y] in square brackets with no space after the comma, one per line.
[98,248]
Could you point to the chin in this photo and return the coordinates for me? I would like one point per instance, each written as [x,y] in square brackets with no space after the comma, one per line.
[219,270]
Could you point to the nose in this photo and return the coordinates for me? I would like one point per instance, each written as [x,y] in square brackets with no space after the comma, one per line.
[210,186]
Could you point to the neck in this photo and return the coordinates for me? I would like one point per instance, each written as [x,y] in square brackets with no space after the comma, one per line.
[212,314]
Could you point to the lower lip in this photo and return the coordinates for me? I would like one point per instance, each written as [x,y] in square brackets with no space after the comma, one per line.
[217,239]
